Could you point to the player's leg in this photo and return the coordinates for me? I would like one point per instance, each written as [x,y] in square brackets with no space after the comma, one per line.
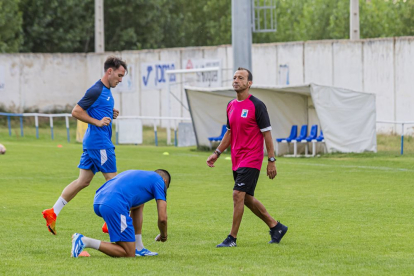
[239,192]
[259,210]
[118,249]
[238,210]
[277,229]
[137,220]
[50,215]
[83,181]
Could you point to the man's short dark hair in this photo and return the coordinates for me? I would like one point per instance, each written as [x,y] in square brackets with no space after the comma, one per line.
[250,76]
[114,63]
[164,174]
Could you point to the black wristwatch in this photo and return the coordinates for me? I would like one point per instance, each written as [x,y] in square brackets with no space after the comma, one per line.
[271,159]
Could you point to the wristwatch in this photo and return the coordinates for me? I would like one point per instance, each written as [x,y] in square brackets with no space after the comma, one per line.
[271,159]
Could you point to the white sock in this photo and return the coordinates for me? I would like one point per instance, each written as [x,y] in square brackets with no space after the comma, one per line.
[138,242]
[91,243]
[60,203]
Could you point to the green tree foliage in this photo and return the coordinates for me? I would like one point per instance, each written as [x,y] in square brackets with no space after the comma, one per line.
[10,26]
[58,26]
[68,26]
[165,23]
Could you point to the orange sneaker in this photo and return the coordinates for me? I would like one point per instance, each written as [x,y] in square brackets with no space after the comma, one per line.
[50,217]
[105,228]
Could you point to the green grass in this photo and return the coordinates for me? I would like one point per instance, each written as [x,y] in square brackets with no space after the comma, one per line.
[348,214]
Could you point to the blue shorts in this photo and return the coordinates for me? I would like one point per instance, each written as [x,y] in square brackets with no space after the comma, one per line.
[96,160]
[120,227]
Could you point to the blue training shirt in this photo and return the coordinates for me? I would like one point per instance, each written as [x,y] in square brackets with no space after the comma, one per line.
[98,103]
[130,189]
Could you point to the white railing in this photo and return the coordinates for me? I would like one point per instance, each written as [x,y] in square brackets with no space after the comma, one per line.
[402,130]
[66,115]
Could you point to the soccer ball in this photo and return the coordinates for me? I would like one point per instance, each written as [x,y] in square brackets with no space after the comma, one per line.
[2,149]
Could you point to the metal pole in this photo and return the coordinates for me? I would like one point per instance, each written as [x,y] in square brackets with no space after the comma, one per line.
[402,139]
[51,127]
[155,133]
[354,20]
[21,126]
[169,110]
[175,134]
[37,126]
[99,27]
[67,127]
[241,32]
[9,124]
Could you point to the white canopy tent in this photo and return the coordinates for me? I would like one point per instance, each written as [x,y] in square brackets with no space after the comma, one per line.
[347,118]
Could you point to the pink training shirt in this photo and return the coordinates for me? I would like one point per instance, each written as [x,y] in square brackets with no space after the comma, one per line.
[247,120]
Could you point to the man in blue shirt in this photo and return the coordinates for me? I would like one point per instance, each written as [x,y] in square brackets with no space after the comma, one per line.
[119,202]
[97,109]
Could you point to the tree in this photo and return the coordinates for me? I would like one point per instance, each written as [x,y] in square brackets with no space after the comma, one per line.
[58,26]
[10,26]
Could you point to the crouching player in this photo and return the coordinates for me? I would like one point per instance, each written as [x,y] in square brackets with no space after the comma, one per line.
[120,203]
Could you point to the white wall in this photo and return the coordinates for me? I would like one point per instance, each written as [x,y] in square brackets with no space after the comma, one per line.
[381,66]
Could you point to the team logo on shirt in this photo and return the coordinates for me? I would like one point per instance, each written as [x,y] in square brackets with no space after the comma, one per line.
[244,113]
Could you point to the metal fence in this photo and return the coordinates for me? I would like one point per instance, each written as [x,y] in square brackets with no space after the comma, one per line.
[155,120]
[67,116]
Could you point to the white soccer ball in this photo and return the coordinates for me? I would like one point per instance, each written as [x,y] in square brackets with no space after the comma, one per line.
[2,149]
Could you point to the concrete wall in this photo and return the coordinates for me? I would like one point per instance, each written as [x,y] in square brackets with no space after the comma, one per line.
[57,81]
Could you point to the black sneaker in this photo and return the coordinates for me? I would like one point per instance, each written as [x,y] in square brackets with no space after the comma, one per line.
[228,242]
[277,232]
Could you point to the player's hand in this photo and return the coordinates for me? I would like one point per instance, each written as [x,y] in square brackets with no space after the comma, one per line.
[105,121]
[211,160]
[271,170]
[161,239]
[116,113]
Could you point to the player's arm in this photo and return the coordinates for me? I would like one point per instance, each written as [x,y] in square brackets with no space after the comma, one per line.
[80,114]
[271,165]
[162,220]
[224,144]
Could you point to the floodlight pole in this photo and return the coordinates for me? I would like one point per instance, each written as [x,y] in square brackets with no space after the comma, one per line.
[241,33]
[354,20]
[99,27]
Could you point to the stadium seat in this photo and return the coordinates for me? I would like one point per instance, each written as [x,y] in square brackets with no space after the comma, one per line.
[303,134]
[312,135]
[293,135]
[218,138]
[319,139]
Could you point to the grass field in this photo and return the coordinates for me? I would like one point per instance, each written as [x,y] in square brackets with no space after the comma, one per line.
[348,214]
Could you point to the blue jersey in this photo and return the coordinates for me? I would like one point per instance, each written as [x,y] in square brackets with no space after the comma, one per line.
[98,103]
[130,189]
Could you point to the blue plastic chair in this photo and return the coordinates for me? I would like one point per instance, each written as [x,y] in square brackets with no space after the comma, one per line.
[303,133]
[313,133]
[218,138]
[320,137]
[293,135]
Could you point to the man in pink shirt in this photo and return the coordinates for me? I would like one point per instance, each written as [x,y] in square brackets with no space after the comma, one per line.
[247,125]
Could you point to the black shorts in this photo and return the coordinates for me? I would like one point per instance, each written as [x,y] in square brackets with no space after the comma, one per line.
[245,180]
